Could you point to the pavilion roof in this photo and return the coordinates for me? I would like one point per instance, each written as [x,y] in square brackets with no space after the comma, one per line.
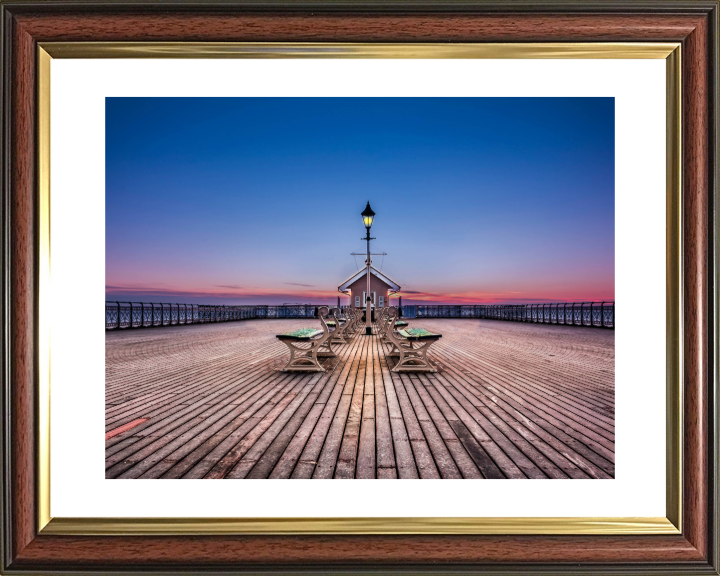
[394,286]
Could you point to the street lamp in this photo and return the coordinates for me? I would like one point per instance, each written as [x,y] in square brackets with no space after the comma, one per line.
[368,216]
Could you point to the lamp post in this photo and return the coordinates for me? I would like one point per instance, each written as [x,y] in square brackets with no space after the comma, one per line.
[368,216]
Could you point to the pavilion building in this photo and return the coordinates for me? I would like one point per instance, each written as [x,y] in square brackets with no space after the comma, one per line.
[381,287]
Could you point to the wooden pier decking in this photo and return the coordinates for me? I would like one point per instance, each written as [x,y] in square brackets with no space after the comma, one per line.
[509,400]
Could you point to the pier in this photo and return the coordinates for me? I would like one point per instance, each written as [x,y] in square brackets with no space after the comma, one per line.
[509,400]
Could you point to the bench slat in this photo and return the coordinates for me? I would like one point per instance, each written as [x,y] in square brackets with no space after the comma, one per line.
[418,334]
[301,334]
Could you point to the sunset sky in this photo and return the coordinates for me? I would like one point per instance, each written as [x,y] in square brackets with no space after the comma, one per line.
[258,200]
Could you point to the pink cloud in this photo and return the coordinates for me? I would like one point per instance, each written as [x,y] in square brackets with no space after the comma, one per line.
[473,297]
[129,291]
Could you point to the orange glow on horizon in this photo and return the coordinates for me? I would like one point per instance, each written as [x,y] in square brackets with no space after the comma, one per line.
[503,297]
[312,296]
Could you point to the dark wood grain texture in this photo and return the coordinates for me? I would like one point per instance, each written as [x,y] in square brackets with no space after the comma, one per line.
[319,27]
[408,552]
[22,290]
[692,23]
[696,190]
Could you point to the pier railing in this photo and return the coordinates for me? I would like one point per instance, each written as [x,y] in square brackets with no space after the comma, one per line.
[144,314]
[598,314]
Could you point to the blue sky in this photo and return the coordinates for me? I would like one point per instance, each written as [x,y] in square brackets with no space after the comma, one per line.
[258,200]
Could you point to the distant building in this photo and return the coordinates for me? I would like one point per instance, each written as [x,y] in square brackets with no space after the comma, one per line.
[381,287]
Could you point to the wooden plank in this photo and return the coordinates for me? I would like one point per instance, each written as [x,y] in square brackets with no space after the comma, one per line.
[421,451]
[254,453]
[539,376]
[279,444]
[192,452]
[404,457]
[366,461]
[464,462]
[291,455]
[328,456]
[385,453]
[211,389]
[257,426]
[572,415]
[157,451]
[465,428]
[124,428]
[167,429]
[191,386]
[308,460]
[551,398]
[347,456]
[551,462]
[576,441]
[441,455]
[483,462]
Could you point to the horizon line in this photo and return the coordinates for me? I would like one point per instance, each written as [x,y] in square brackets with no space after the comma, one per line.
[428,303]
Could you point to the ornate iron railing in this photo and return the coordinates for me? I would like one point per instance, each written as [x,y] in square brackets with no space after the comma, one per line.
[599,314]
[143,314]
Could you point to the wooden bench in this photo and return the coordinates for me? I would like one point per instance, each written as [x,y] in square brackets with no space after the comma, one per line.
[307,345]
[412,345]
[353,315]
[382,316]
[388,322]
[339,326]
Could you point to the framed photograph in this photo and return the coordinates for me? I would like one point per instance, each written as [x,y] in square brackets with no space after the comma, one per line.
[384,243]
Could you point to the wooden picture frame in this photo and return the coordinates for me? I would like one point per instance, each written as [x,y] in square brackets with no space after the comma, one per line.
[33,544]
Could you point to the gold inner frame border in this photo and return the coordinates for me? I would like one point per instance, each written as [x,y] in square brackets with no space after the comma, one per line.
[671,524]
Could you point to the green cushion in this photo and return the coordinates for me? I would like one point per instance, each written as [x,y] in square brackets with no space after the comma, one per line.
[418,333]
[302,334]
[401,323]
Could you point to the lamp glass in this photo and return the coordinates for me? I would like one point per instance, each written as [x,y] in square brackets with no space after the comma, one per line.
[367,215]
